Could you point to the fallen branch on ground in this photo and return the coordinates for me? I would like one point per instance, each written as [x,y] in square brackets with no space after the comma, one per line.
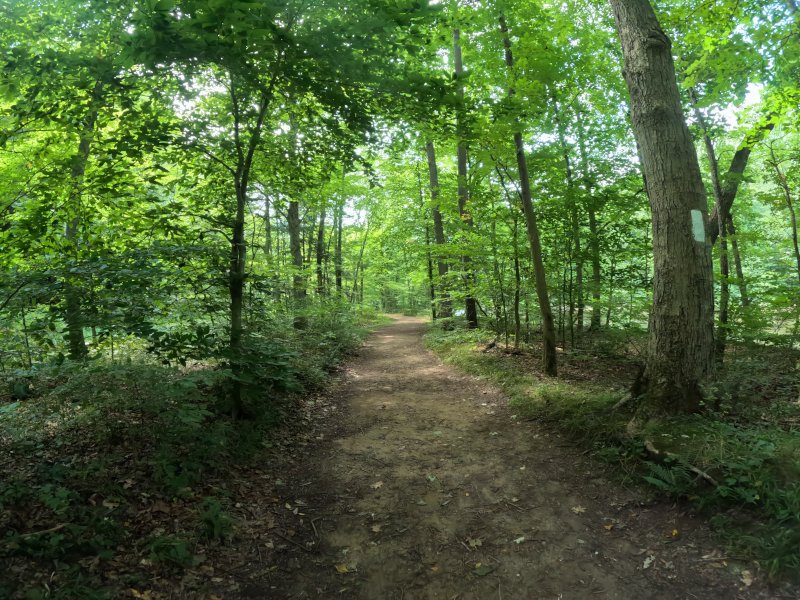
[663,453]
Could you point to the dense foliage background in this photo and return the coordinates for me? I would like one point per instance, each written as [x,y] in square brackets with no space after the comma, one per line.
[202,202]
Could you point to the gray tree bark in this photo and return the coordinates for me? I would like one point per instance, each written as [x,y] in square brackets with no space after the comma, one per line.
[681,335]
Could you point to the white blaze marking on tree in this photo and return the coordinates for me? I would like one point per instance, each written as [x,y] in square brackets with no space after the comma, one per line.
[698,226]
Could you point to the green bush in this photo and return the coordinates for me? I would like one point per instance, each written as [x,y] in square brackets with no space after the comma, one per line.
[216,523]
[170,550]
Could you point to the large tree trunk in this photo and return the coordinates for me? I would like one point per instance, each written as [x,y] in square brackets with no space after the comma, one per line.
[681,337]
[72,292]
[470,305]
[445,305]
[549,358]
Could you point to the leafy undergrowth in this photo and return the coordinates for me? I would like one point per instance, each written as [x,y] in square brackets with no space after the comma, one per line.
[115,477]
[740,461]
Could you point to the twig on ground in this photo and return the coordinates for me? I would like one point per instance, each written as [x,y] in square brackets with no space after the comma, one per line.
[51,530]
[286,539]
[700,473]
[314,527]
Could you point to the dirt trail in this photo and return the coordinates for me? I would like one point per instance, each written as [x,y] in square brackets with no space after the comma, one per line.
[430,488]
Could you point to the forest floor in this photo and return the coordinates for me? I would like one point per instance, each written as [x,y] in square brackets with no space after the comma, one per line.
[420,482]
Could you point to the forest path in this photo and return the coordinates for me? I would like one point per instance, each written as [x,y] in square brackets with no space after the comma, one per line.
[428,487]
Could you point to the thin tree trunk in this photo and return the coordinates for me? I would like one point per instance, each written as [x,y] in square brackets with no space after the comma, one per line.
[594,247]
[681,334]
[549,357]
[575,251]
[517,288]
[298,280]
[25,337]
[428,253]
[611,289]
[500,312]
[563,307]
[337,257]
[470,305]
[245,153]
[724,298]
[431,284]
[359,264]
[724,294]
[309,240]
[730,186]
[445,305]
[237,268]
[594,233]
[321,253]
[783,183]
[737,261]
[72,292]
[267,228]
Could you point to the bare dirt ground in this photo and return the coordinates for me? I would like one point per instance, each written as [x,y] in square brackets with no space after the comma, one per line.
[422,484]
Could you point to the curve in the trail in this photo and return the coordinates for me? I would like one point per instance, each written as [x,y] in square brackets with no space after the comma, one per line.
[431,488]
